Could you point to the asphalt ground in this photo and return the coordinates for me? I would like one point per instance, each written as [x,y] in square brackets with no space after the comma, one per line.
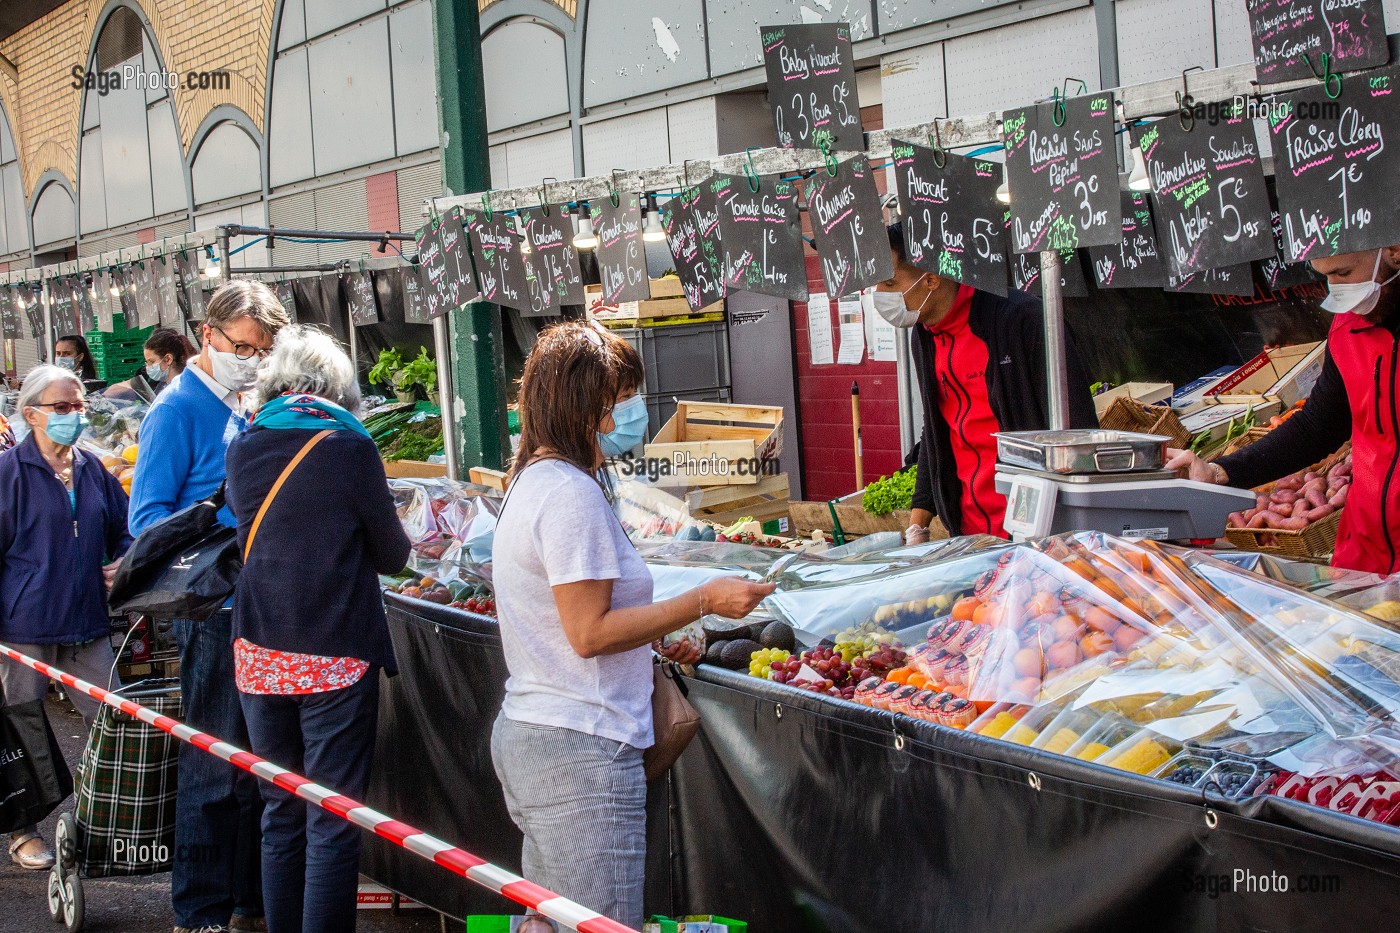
[132,905]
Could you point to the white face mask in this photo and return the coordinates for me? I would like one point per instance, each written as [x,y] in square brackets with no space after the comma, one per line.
[232,373]
[892,308]
[1358,298]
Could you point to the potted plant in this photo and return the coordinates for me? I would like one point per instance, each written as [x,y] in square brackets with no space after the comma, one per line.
[390,371]
[420,371]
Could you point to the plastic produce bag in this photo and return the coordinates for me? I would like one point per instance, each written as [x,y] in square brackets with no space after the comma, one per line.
[450,526]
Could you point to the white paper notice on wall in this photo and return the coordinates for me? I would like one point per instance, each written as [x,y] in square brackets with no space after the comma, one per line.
[881,335]
[852,319]
[819,328]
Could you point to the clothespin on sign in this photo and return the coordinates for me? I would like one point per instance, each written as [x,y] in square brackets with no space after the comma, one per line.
[1326,75]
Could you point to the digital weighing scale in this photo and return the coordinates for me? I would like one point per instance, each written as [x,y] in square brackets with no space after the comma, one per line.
[1137,499]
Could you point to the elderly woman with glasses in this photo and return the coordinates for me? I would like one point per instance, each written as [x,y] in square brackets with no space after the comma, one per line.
[62,531]
[309,632]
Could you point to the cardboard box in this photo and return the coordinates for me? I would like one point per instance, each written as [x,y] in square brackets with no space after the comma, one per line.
[1149,393]
[1287,374]
[1190,398]
[413,469]
[718,444]
[1216,418]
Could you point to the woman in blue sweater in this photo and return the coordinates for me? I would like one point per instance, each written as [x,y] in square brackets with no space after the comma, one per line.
[62,518]
[308,619]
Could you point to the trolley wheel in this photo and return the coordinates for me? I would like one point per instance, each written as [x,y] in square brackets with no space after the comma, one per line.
[73,906]
[56,894]
[65,840]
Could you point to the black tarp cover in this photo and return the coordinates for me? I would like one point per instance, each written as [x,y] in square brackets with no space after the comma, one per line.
[797,813]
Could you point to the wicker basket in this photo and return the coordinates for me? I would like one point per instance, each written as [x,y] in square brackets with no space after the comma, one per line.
[1243,441]
[1127,415]
[1317,540]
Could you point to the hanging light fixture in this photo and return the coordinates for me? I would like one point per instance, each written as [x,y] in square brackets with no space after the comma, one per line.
[116,292]
[651,226]
[1138,180]
[211,267]
[585,238]
[524,234]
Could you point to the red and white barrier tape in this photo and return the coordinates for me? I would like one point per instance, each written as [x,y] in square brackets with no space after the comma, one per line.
[574,916]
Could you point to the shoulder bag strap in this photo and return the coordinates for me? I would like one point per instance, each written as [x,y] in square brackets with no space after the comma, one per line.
[277,486]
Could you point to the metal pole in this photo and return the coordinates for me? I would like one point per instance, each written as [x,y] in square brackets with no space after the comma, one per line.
[354,341]
[1056,375]
[442,350]
[225,256]
[47,299]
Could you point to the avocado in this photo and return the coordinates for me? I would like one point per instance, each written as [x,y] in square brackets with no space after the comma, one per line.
[778,635]
[712,654]
[737,654]
[729,633]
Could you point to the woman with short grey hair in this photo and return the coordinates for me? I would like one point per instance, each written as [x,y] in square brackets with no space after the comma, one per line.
[62,518]
[308,620]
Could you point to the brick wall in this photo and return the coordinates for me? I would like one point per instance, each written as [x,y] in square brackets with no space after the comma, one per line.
[191,35]
[382,193]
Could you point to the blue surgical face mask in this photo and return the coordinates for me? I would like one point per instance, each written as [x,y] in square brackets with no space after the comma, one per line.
[64,430]
[629,427]
[155,373]
[69,363]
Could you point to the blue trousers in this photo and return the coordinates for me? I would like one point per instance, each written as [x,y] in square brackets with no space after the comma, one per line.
[217,807]
[310,857]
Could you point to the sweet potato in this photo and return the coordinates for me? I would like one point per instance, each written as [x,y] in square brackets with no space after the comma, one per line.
[1236,520]
[1285,497]
[1286,509]
[1316,496]
[1289,482]
[1290,524]
[1339,498]
[1266,519]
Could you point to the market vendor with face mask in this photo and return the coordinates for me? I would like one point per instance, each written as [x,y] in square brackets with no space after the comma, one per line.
[1354,399]
[980,360]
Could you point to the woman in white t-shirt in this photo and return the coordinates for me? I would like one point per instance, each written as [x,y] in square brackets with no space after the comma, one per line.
[577,624]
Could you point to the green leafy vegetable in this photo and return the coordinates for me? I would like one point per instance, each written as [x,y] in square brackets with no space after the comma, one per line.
[891,493]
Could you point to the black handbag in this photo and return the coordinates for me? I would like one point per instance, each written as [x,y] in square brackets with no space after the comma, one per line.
[183,567]
[187,565]
[34,778]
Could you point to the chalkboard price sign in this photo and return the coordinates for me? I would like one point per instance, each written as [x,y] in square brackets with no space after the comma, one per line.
[622,266]
[553,255]
[286,295]
[1225,280]
[1209,200]
[34,312]
[1276,271]
[62,310]
[812,86]
[501,273]
[446,261]
[1351,33]
[760,236]
[9,314]
[359,295]
[1133,262]
[415,297]
[1063,179]
[167,302]
[691,222]
[1025,274]
[82,304]
[1337,166]
[850,227]
[191,292]
[951,218]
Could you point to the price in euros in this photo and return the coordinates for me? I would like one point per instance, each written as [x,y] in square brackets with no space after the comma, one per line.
[1350,175]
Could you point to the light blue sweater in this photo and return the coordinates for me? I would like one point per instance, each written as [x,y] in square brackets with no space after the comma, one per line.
[183,441]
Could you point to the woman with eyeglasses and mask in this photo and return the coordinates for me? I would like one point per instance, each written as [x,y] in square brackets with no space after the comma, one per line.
[578,624]
[62,533]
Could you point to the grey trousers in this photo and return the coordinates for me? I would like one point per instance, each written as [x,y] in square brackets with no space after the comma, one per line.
[91,662]
[580,800]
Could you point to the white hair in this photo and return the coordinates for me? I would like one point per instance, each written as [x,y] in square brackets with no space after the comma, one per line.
[305,359]
[38,380]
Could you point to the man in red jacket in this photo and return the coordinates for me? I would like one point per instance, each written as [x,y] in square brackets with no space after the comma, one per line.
[1354,399]
[980,360]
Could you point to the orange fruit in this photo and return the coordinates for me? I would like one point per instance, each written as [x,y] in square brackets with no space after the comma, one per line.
[965,608]
[900,675]
[917,679]
[1027,662]
[1095,643]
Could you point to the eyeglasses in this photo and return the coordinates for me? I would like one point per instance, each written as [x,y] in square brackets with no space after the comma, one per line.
[242,350]
[62,408]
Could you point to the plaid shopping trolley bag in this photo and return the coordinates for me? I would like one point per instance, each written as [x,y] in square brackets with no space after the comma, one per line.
[125,810]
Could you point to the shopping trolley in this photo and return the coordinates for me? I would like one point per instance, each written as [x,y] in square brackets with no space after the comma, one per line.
[123,819]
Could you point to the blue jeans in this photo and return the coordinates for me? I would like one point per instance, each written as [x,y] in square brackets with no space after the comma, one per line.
[311,857]
[217,807]
[581,802]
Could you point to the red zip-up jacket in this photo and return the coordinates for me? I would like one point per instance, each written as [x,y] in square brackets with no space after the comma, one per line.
[983,369]
[1354,398]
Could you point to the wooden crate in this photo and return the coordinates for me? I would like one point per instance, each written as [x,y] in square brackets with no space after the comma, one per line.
[667,300]
[720,435]
[764,501]
[1127,415]
[485,476]
[413,469]
[855,521]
